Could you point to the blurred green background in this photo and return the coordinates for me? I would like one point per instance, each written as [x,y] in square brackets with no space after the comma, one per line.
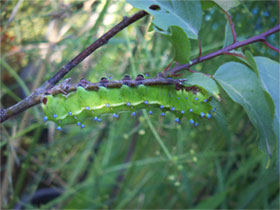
[144,162]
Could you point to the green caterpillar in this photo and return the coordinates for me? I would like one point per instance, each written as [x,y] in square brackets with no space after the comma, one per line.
[85,99]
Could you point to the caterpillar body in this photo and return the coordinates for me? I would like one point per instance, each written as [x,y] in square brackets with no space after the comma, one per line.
[85,99]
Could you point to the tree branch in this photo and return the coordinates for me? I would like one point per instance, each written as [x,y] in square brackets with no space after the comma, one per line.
[226,50]
[36,96]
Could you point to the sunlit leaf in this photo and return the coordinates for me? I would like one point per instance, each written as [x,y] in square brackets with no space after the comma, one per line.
[184,14]
[268,71]
[242,85]
[181,44]
[206,4]
[228,4]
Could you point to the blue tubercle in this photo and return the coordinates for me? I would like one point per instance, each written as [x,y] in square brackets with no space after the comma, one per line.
[133,114]
[208,116]
[191,121]
[145,102]
[182,112]
[196,98]
[196,124]
[150,112]
[58,128]
[128,103]
[161,106]
[82,126]
[45,118]
[190,110]
[78,123]
[205,100]
[95,118]
[69,113]
[87,107]
[107,105]
[162,114]
[99,120]
[54,115]
[202,114]
[186,97]
[178,98]
[115,115]
[172,109]
[177,120]
[214,109]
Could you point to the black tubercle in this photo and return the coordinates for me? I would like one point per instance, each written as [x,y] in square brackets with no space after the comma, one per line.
[126,77]
[126,80]
[103,80]
[65,87]
[139,77]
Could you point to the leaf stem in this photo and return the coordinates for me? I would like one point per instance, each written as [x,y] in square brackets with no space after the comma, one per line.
[271,47]
[258,38]
[231,26]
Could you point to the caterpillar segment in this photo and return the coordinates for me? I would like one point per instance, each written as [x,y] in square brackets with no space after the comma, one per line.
[75,106]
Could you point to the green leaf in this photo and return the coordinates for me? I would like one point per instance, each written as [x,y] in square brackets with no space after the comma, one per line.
[212,202]
[228,4]
[204,82]
[243,86]
[268,72]
[250,60]
[206,4]
[181,44]
[184,14]
[228,36]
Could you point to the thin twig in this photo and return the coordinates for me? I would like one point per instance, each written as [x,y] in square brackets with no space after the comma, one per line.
[35,97]
[235,54]
[231,26]
[271,47]
[194,71]
[257,38]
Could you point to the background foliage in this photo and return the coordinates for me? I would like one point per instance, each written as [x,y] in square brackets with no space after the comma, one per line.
[126,163]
